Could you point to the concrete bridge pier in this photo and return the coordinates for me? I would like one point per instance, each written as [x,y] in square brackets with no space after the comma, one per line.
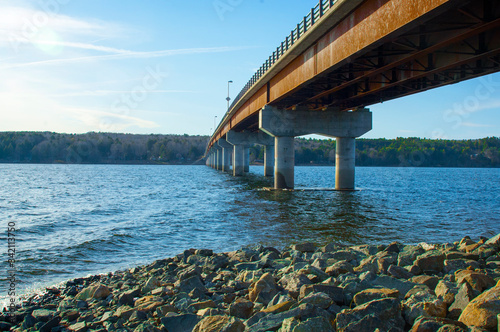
[284,177]
[345,159]
[219,159]
[284,125]
[226,154]
[246,159]
[268,160]
[238,160]
[246,139]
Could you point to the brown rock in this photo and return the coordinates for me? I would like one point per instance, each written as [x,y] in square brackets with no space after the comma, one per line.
[483,310]
[462,299]
[280,307]
[241,308]
[478,281]
[431,324]
[431,261]
[371,294]
[339,268]
[263,290]
[447,291]
[429,281]
[203,305]
[219,323]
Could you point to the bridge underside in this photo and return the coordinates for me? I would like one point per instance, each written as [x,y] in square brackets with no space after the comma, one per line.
[458,44]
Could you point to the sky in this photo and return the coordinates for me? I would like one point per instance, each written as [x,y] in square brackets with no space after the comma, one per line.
[163,66]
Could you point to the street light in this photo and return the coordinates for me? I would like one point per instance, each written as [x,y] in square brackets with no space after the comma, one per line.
[215,120]
[228,98]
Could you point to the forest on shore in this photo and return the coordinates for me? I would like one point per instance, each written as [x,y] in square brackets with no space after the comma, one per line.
[113,148]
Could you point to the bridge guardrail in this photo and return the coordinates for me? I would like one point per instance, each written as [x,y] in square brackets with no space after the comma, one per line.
[302,27]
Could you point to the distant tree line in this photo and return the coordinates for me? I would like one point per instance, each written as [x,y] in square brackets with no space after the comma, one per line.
[100,148]
[112,148]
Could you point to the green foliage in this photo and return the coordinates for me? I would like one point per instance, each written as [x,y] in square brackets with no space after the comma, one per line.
[100,148]
[108,148]
[412,152]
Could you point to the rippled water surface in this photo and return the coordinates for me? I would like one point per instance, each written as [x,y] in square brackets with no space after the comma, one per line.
[73,220]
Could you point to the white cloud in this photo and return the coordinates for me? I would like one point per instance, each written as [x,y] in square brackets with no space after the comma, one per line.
[107,121]
[476,125]
[125,55]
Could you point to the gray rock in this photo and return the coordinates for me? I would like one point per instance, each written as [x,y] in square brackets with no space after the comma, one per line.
[320,300]
[452,265]
[150,284]
[339,268]
[189,272]
[190,284]
[181,323]
[383,314]
[392,283]
[272,322]
[336,294]
[314,324]
[408,255]
[43,315]
[47,327]
[305,247]
[241,308]
[78,327]
[249,266]
[464,296]
[28,322]
[425,304]
[399,272]
[293,282]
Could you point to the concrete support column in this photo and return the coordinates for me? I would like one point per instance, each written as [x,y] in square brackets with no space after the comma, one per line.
[268,160]
[284,162]
[246,159]
[219,159]
[225,159]
[238,166]
[345,158]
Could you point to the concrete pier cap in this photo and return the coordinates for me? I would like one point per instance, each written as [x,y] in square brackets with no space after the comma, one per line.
[244,139]
[345,126]
[226,154]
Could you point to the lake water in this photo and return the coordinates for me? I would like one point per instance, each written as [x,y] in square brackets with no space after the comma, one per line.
[75,220]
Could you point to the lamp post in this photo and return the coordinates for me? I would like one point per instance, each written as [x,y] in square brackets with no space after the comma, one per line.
[215,121]
[228,98]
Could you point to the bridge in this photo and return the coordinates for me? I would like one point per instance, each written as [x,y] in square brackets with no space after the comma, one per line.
[342,57]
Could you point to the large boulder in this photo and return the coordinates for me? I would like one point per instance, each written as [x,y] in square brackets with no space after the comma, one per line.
[478,281]
[423,304]
[483,310]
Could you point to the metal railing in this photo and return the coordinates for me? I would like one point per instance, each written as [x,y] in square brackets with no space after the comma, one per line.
[300,30]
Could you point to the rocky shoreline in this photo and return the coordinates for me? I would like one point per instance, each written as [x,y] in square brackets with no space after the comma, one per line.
[395,287]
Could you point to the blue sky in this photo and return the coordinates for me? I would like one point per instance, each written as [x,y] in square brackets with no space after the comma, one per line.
[162,66]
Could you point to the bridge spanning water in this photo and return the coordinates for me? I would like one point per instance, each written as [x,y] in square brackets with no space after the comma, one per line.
[344,56]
